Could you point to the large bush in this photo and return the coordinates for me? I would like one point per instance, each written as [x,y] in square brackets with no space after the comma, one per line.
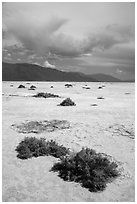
[93,170]
[33,147]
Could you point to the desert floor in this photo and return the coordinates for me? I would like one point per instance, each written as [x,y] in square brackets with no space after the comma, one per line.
[107,127]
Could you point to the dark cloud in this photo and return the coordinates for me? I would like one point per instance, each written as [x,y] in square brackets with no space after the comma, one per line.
[46,36]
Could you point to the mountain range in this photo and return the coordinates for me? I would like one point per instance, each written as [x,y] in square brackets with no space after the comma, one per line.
[33,72]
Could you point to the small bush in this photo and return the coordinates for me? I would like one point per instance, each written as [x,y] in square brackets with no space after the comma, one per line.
[86,87]
[21,86]
[32,87]
[45,95]
[68,85]
[33,147]
[100,97]
[92,170]
[94,104]
[67,102]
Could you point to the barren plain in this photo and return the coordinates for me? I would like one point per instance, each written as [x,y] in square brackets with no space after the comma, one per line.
[106,125]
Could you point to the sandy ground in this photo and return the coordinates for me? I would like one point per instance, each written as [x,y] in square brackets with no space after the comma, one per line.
[107,127]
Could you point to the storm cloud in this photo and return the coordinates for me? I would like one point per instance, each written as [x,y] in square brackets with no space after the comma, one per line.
[45,36]
[86,37]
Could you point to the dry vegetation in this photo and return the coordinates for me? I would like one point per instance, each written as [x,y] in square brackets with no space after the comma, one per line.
[92,170]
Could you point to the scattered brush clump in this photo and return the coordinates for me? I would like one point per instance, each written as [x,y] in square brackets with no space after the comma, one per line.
[13,95]
[45,95]
[41,126]
[32,87]
[100,97]
[92,170]
[67,102]
[21,86]
[33,147]
[86,87]
[68,85]
[94,104]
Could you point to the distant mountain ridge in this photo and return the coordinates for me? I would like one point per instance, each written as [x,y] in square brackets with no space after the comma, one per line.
[33,72]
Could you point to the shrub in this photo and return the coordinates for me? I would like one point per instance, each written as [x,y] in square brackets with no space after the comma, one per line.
[41,126]
[92,170]
[33,147]
[45,95]
[68,85]
[86,87]
[21,86]
[56,150]
[32,87]
[67,102]
[100,97]
[94,104]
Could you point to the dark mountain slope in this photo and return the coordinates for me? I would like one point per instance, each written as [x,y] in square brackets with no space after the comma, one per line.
[32,72]
[105,78]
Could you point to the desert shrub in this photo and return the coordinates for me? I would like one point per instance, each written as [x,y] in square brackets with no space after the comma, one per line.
[86,87]
[21,86]
[67,102]
[32,87]
[45,95]
[41,126]
[92,170]
[94,104]
[68,85]
[56,150]
[100,97]
[33,147]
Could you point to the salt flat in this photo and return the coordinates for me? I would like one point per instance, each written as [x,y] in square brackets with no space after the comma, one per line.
[107,127]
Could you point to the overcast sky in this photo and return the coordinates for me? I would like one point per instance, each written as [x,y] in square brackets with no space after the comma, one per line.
[86,37]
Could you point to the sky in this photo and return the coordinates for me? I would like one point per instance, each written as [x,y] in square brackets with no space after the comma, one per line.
[71,36]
